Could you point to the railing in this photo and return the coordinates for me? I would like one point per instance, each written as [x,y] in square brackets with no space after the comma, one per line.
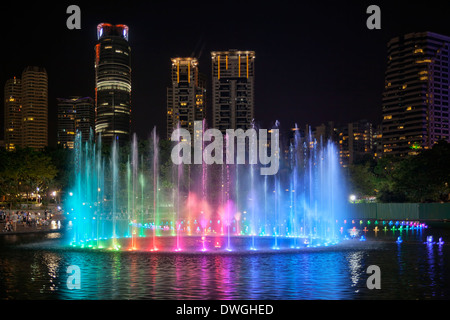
[401,211]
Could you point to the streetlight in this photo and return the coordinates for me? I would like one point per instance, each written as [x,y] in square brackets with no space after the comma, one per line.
[352,198]
[54,193]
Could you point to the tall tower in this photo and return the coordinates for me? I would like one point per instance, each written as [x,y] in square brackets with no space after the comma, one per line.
[75,115]
[66,129]
[34,108]
[233,77]
[355,142]
[416,95]
[113,83]
[85,117]
[186,97]
[13,114]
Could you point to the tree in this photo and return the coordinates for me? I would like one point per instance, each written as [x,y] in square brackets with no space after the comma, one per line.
[25,171]
[425,177]
[363,180]
[384,172]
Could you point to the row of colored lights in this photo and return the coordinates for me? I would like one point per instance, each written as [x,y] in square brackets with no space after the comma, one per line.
[96,244]
[390,223]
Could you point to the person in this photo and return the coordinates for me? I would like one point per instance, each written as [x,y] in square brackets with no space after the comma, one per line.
[33,219]
[8,224]
[24,219]
[7,227]
[14,220]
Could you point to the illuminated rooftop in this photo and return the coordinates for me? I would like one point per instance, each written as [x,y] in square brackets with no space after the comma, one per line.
[107,29]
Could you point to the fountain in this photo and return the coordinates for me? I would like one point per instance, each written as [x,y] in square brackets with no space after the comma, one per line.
[132,198]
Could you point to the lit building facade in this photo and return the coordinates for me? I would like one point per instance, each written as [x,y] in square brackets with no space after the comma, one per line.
[75,115]
[34,108]
[66,123]
[186,97]
[355,142]
[325,132]
[233,89]
[377,141]
[85,117]
[13,114]
[113,83]
[415,104]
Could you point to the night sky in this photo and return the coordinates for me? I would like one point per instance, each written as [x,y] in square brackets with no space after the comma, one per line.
[315,61]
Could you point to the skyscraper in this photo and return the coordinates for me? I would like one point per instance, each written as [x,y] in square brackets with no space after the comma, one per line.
[233,85]
[416,95]
[85,117]
[66,131]
[34,107]
[75,115]
[13,114]
[355,142]
[112,82]
[186,97]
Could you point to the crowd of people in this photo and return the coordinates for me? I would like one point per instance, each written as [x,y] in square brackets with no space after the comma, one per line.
[26,219]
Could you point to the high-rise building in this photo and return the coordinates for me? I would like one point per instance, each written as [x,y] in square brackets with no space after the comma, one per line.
[13,114]
[355,142]
[113,83]
[34,108]
[186,97]
[326,132]
[416,95]
[75,115]
[85,117]
[66,131]
[233,88]
[377,141]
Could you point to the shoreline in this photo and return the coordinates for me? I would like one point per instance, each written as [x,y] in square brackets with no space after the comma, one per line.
[54,225]
[29,230]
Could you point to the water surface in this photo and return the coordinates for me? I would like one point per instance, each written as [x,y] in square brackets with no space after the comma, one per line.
[35,267]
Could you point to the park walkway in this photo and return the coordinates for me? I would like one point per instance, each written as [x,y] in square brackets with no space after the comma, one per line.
[40,225]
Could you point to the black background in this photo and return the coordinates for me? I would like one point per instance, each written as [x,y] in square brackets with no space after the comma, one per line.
[315,61]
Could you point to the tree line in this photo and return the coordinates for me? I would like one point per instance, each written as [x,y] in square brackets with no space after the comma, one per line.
[419,178]
[24,172]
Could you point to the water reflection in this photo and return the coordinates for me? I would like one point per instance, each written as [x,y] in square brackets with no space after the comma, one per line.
[37,270]
[355,267]
[431,272]
[266,276]
[51,262]
[434,266]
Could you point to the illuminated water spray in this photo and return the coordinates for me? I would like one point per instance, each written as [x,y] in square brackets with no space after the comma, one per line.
[134,198]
